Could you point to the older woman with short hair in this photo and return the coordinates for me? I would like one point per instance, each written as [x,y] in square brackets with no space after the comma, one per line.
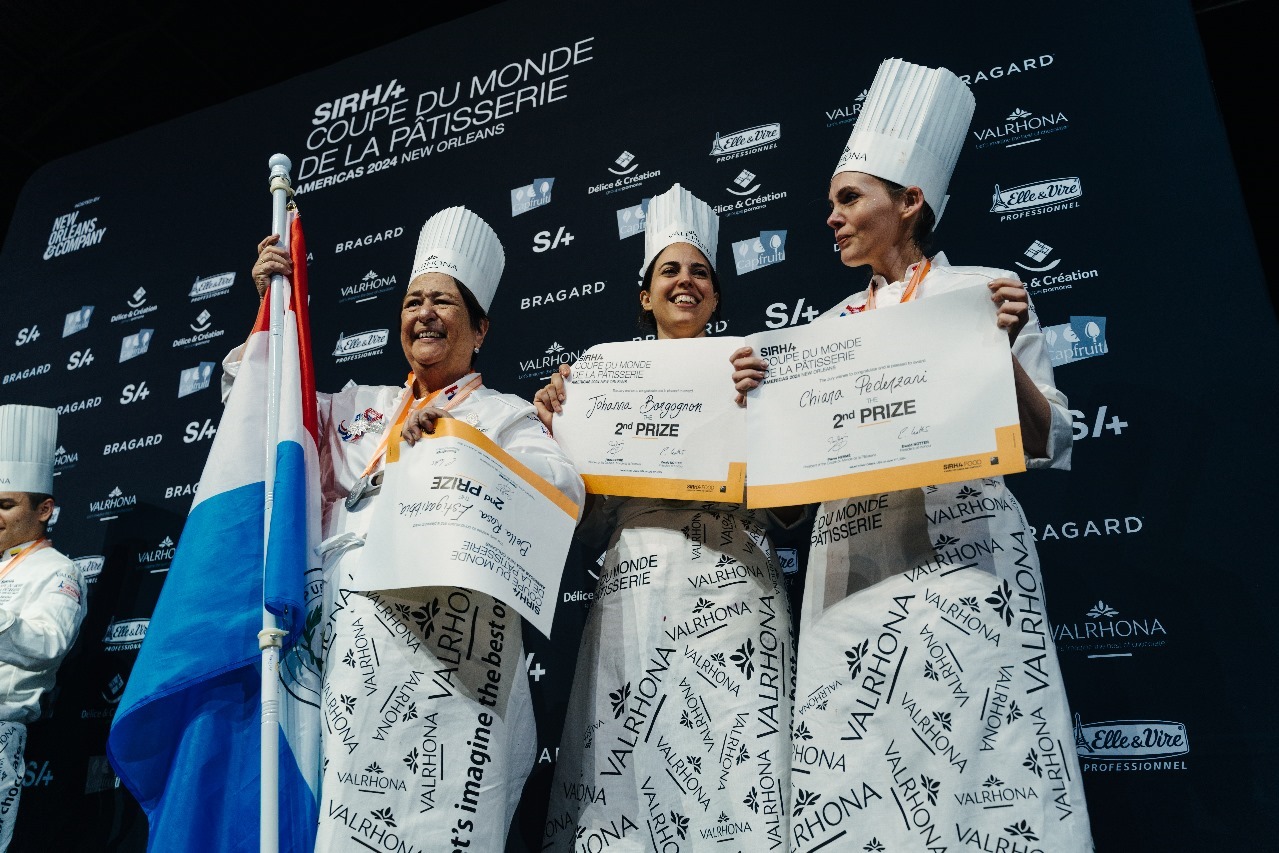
[428,736]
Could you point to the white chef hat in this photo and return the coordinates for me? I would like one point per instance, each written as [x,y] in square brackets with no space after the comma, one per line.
[911,128]
[456,242]
[678,216]
[28,442]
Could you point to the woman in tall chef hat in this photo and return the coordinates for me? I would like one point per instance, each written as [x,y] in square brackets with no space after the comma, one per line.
[423,739]
[928,719]
[683,732]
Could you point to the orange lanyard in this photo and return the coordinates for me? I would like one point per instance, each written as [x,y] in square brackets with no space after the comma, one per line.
[21,555]
[921,270]
[411,405]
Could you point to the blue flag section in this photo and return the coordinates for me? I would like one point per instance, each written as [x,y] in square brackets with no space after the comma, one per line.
[187,738]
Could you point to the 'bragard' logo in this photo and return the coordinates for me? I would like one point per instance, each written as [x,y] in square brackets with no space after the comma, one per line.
[132,346]
[125,635]
[90,567]
[1103,634]
[182,490]
[132,444]
[1127,525]
[1035,199]
[1082,337]
[765,250]
[210,286]
[77,321]
[113,505]
[79,405]
[536,194]
[195,378]
[1017,66]
[752,140]
[1117,745]
[360,345]
[26,373]
[630,220]
[138,307]
[564,294]
[1020,128]
[368,240]
[370,287]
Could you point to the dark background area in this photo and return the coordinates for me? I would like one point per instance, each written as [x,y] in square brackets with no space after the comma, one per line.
[72,77]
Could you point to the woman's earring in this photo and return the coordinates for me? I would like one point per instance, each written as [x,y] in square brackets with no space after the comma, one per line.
[477,350]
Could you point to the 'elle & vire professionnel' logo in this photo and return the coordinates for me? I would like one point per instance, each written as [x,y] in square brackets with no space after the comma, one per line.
[1119,745]
[1037,198]
[751,140]
[360,345]
[211,286]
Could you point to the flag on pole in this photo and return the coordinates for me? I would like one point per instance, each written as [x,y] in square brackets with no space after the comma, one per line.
[186,739]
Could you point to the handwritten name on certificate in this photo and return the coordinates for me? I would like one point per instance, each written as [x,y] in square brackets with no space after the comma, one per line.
[457,510]
[656,419]
[911,396]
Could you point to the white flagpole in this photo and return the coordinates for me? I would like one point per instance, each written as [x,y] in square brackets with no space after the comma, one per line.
[269,639]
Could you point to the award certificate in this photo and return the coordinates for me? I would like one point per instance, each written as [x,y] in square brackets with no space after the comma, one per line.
[656,419]
[911,396]
[457,510]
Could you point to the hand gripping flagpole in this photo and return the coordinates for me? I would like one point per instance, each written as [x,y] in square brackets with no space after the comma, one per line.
[269,639]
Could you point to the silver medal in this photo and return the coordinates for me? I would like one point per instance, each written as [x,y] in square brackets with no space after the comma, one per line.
[357,493]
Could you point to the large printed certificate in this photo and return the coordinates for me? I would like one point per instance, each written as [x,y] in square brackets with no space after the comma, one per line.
[457,510]
[896,399]
[656,419]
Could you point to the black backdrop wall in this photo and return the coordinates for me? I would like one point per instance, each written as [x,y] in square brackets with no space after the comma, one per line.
[125,278]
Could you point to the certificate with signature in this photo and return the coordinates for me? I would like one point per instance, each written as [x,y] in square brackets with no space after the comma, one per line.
[915,395]
[656,419]
[457,510]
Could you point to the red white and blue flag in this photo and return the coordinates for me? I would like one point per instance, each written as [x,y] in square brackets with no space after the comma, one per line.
[186,740]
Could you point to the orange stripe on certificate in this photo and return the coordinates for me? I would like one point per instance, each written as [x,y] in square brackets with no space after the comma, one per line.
[1006,458]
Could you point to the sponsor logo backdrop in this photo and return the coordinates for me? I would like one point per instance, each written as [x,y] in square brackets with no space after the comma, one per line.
[1096,168]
